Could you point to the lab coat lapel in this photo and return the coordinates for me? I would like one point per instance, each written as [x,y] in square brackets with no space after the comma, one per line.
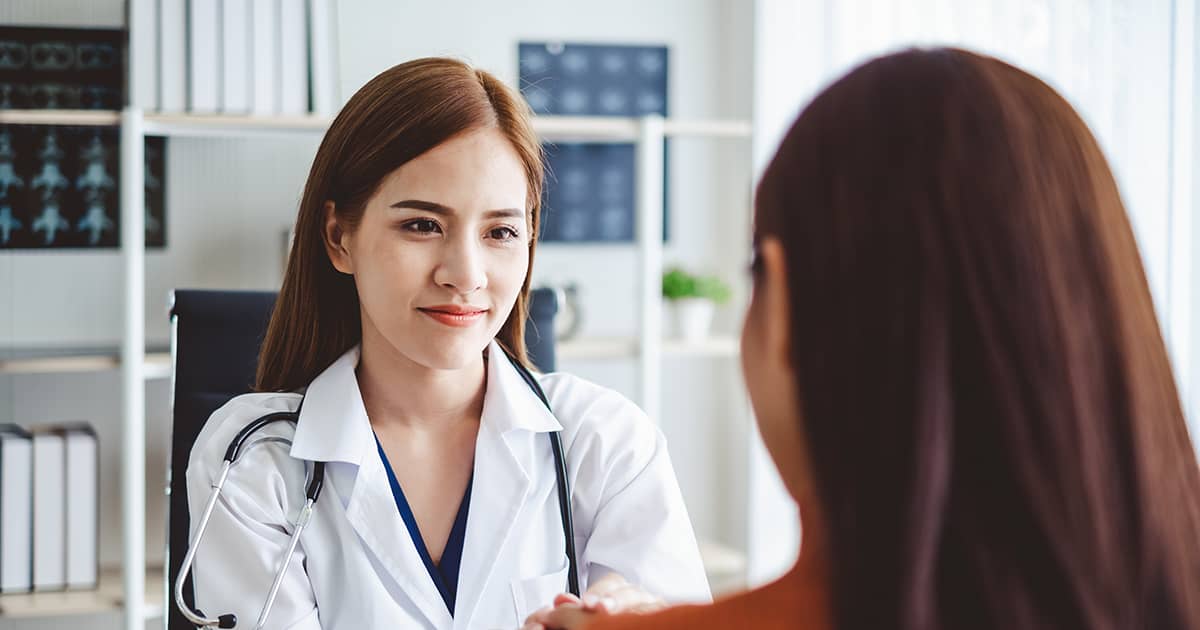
[333,427]
[497,498]
[502,482]
[373,514]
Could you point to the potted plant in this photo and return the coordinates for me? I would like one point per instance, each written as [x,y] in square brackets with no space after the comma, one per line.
[693,300]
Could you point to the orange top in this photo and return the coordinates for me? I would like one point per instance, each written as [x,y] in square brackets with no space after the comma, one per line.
[796,601]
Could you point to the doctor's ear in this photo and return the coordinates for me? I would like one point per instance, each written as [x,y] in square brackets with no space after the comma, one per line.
[336,241]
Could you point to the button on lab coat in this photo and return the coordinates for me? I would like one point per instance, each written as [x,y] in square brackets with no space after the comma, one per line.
[356,566]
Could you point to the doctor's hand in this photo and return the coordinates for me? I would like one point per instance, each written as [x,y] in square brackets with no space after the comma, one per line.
[610,594]
[613,594]
[563,616]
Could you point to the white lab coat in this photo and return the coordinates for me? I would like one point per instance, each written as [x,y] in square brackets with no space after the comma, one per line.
[357,568]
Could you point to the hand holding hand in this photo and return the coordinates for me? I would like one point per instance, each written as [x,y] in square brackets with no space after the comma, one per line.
[610,594]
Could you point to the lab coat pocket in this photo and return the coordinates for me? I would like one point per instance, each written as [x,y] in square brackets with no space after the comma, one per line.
[530,594]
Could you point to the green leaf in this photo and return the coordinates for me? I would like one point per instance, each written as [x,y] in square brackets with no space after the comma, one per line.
[678,284]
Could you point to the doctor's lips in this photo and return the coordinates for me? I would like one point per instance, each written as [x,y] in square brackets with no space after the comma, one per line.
[454,314]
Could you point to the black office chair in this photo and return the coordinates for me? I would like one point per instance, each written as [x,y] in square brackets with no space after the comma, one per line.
[216,336]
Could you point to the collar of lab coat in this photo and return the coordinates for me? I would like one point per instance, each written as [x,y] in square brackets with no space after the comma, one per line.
[333,424]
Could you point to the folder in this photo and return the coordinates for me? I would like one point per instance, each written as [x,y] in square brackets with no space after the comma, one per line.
[143,54]
[235,56]
[16,509]
[323,57]
[82,506]
[49,510]
[172,61]
[264,23]
[204,56]
[293,57]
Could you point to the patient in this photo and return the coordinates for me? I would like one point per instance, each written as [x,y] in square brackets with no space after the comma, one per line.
[955,363]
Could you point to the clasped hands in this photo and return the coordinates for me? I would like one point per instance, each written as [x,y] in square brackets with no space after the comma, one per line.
[609,595]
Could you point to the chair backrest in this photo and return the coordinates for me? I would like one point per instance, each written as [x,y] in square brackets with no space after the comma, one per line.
[216,337]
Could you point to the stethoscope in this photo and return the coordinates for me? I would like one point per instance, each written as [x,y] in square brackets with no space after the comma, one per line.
[312,491]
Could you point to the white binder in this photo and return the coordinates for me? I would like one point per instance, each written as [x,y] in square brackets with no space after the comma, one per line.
[143,53]
[172,59]
[16,510]
[323,57]
[264,23]
[293,57]
[82,506]
[49,510]
[204,56]
[235,56]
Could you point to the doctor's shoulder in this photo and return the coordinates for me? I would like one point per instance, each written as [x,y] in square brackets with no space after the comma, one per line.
[601,422]
[264,460]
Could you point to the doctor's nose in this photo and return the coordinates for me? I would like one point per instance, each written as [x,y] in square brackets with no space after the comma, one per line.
[461,268]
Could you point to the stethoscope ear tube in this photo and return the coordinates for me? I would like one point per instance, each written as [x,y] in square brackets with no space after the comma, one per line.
[234,451]
[195,616]
[235,445]
[301,523]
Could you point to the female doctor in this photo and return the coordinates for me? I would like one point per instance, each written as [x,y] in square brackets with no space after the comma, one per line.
[403,300]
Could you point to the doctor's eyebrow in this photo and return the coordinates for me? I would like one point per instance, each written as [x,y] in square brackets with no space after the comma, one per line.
[437,208]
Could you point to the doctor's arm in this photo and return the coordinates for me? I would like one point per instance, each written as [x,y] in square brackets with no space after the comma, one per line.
[639,527]
[243,545]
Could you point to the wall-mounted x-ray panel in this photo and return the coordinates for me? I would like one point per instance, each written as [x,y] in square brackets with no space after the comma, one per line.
[590,186]
[61,68]
[59,188]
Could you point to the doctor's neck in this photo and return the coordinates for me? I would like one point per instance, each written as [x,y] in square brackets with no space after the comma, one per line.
[399,391]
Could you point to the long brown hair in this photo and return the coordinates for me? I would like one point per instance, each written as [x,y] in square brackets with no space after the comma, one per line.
[400,114]
[993,426]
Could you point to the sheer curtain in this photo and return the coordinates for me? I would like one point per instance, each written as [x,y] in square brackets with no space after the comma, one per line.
[1126,65]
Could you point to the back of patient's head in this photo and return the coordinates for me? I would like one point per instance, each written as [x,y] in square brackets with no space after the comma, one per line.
[992,425]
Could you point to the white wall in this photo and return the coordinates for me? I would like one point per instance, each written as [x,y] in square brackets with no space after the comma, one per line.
[228,201]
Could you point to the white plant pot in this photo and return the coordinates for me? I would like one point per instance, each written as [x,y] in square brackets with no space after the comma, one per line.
[693,318]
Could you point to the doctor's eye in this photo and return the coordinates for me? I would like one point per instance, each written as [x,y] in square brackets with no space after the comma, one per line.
[503,233]
[422,226]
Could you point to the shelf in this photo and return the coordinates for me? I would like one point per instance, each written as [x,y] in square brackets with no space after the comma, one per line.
[719,561]
[623,129]
[627,348]
[52,360]
[679,128]
[107,597]
[218,125]
[84,117]
[552,128]
[157,365]
[710,347]
[597,348]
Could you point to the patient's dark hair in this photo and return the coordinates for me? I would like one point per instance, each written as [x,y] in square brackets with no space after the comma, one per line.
[993,425]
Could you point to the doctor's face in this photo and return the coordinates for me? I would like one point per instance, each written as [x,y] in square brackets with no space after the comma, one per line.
[442,250]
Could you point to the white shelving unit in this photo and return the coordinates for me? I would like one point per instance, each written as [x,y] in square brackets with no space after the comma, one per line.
[108,597]
[137,365]
[156,364]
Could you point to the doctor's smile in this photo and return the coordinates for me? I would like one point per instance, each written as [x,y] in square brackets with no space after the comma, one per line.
[455,316]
